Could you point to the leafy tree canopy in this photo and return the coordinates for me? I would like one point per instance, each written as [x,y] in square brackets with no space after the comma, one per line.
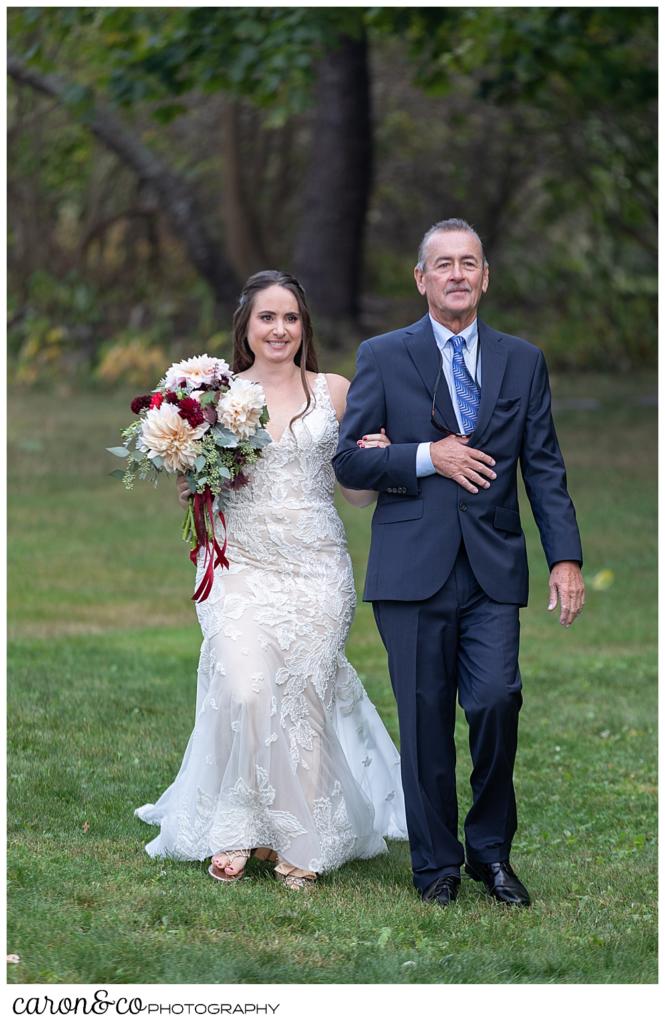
[572,55]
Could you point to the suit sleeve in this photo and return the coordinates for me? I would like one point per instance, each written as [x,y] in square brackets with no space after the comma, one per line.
[544,475]
[376,469]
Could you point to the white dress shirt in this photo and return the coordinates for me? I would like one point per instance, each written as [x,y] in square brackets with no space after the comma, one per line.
[471,355]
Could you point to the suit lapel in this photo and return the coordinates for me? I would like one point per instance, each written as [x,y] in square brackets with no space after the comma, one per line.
[424,352]
[493,364]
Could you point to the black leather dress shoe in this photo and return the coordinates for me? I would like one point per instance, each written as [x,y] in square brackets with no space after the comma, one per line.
[443,891]
[500,881]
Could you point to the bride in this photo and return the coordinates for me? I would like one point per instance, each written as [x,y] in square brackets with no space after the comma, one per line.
[288,760]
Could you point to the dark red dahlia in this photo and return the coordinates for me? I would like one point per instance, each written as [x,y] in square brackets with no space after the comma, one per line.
[190,410]
[140,402]
[171,397]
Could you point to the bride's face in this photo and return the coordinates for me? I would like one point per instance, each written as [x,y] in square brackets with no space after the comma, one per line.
[274,331]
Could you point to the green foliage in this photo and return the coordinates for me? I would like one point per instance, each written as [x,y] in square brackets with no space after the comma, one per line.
[591,73]
[537,123]
[546,142]
[268,54]
[50,333]
[535,53]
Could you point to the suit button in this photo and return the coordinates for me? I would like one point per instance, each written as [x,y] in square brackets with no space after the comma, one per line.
[462,507]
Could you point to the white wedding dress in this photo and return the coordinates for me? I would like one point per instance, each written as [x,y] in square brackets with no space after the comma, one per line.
[287,750]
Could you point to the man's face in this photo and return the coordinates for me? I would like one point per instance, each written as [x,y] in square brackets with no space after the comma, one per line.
[454,277]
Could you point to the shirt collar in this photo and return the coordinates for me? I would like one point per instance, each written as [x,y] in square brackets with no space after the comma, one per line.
[442,334]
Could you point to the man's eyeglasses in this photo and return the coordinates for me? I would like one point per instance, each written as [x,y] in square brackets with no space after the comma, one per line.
[436,422]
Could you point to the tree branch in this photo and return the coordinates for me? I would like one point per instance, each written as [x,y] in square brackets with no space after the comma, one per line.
[175,196]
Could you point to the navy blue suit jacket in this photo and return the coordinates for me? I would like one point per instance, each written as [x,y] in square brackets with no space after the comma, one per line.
[419,522]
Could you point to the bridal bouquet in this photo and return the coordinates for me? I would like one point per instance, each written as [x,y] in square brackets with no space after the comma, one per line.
[206,423]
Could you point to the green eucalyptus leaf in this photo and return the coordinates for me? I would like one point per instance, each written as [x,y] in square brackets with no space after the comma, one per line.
[122,453]
[260,439]
[224,438]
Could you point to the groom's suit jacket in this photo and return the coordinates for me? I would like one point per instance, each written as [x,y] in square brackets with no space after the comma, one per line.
[419,522]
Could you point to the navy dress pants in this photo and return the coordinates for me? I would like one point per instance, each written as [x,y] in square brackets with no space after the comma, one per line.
[457,643]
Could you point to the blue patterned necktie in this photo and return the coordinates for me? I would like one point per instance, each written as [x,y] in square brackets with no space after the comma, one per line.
[466,389]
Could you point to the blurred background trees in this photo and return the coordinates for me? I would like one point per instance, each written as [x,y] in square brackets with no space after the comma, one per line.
[158,156]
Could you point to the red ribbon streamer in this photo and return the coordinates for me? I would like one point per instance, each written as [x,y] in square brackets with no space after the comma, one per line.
[204,524]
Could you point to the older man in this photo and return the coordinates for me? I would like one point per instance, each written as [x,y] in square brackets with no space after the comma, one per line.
[447,569]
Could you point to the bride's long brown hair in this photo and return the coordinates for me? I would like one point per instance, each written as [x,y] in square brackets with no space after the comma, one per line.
[305,357]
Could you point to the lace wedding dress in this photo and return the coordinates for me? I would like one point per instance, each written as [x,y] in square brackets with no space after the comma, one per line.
[287,750]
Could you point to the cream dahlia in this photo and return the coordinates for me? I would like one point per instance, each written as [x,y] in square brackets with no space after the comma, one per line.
[164,432]
[196,371]
[240,408]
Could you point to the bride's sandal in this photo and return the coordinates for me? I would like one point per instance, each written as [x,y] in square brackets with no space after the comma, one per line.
[219,871]
[294,878]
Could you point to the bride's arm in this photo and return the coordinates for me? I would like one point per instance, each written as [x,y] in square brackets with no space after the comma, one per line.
[338,387]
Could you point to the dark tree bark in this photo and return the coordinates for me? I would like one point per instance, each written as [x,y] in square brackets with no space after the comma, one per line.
[243,236]
[174,195]
[329,247]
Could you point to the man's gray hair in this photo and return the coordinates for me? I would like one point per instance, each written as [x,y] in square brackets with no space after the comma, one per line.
[451,224]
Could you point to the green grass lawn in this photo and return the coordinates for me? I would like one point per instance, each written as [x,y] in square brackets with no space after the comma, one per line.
[102,662]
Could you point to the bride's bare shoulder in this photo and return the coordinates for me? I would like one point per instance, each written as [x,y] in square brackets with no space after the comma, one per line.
[337,384]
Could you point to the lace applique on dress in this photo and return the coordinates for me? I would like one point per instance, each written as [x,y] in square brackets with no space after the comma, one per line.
[284,728]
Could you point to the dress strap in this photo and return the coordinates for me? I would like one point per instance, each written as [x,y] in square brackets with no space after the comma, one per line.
[326,398]
[321,385]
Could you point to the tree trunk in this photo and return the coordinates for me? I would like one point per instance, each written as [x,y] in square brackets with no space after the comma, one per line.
[243,238]
[329,247]
[174,195]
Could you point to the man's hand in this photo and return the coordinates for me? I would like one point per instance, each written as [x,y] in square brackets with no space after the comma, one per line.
[567,586]
[183,490]
[468,467]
